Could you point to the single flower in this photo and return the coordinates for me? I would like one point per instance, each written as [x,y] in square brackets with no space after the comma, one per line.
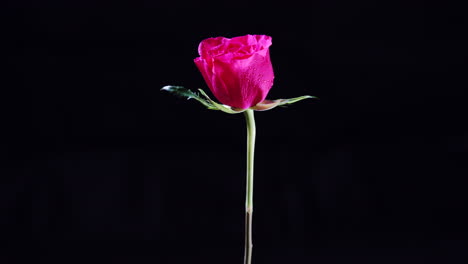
[238,71]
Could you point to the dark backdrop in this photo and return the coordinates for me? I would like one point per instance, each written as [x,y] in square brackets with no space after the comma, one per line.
[100,166]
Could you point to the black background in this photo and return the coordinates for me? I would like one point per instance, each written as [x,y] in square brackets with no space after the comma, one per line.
[100,166]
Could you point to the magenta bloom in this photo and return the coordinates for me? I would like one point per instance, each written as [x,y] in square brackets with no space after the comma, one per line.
[238,71]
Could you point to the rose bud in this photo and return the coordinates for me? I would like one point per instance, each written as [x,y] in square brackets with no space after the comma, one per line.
[238,71]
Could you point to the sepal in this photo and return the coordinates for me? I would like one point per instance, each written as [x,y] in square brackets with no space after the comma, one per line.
[270,104]
[222,107]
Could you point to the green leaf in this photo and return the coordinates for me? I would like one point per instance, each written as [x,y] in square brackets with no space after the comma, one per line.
[270,104]
[186,93]
[206,101]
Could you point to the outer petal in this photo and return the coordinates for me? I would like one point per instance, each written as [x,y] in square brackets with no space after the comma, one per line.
[206,71]
[242,83]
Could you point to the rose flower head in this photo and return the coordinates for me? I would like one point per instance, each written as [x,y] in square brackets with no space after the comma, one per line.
[238,71]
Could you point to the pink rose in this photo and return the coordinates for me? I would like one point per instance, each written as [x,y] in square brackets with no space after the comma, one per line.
[238,71]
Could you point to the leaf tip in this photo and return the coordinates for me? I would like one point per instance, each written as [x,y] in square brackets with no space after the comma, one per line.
[166,88]
[171,88]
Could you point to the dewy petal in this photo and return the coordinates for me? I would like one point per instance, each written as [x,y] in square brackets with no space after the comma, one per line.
[245,82]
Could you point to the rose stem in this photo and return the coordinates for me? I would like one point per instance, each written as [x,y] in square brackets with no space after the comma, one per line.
[249,117]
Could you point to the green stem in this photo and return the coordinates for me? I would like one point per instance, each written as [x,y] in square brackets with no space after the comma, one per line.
[249,117]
